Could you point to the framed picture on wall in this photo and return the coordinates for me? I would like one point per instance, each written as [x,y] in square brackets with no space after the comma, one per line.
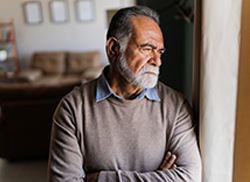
[59,11]
[32,12]
[84,10]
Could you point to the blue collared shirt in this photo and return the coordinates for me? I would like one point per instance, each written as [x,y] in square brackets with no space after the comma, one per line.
[103,90]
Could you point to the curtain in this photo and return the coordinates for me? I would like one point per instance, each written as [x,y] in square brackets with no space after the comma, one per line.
[216,56]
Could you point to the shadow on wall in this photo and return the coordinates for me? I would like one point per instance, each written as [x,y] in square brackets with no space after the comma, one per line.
[176,69]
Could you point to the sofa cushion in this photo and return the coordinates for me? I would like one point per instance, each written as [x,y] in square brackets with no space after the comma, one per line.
[71,78]
[91,73]
[78,61]
[50,79]
[28,75]
[49,62]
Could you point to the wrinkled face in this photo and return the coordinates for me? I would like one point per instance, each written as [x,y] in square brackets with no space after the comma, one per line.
[141,58]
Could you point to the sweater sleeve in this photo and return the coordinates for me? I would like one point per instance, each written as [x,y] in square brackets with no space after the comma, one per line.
[65,158]
[182,143]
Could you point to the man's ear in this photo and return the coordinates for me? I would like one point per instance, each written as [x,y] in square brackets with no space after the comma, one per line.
[112,47]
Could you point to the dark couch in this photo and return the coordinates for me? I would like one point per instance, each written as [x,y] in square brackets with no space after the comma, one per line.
[27,106]
[26,112]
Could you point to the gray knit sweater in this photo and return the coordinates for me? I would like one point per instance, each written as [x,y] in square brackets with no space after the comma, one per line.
[123,140]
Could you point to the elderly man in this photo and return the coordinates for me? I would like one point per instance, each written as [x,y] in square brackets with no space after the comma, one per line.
[125,125]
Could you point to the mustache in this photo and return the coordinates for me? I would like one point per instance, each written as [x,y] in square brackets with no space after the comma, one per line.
[149,68]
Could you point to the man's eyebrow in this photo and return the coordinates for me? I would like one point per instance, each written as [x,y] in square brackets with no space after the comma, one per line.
[151,45]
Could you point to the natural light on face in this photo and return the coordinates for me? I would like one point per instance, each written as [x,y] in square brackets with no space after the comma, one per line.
[143,79]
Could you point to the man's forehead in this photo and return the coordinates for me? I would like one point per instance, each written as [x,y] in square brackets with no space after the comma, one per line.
[146,30]
[143,21]
[144,24]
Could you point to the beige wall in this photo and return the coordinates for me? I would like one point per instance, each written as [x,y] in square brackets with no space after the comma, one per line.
[70,36]
[242,133]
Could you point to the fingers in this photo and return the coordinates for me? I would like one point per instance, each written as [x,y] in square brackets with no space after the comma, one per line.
[165,161]
[173,166]
[169,162]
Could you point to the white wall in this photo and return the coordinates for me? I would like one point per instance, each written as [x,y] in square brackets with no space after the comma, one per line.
[48,36]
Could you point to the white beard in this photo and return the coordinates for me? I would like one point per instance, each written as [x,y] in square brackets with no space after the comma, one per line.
[142,79]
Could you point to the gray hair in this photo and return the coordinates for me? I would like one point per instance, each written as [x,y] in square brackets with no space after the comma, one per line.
[120,26]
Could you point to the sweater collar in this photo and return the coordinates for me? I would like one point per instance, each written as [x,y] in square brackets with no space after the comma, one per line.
[104,90]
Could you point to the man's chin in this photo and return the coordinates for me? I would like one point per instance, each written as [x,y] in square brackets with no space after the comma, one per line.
[147,82]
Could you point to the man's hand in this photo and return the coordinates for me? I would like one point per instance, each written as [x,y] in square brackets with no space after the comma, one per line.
[91,177]
[169,162]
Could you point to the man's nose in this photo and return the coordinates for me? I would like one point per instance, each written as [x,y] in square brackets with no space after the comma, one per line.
[156,59]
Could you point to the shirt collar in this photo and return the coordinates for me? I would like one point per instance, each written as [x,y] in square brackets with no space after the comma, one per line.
[103,90]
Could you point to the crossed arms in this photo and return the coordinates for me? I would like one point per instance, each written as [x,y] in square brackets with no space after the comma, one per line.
[167,163]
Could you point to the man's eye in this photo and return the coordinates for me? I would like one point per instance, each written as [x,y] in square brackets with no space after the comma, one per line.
[161,52]
[146,49]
